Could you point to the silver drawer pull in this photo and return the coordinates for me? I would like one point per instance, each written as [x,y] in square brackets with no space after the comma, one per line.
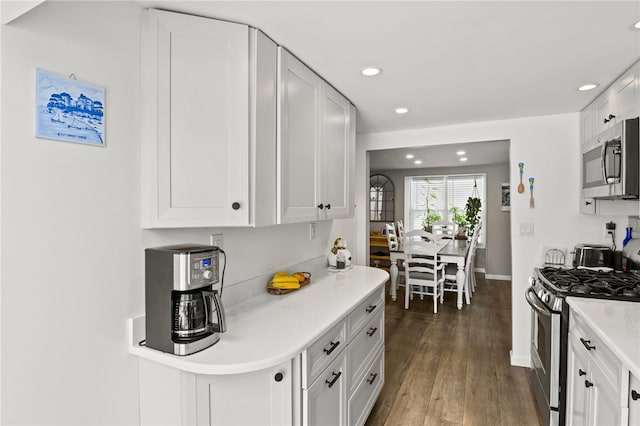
[372,378]
[334,345]
[333,381]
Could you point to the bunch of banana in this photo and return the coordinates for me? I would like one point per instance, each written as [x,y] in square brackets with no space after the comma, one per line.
[283,280]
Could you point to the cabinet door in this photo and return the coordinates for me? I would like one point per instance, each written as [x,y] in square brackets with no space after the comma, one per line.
[299,95]
[587,124]
[336,148]
[634,401]
[625,95]
[604,109]
[324,402]
[605,401]
[195,124]
[577,374]
[260,398]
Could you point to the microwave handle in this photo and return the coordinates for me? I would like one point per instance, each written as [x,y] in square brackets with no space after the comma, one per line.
[603,162]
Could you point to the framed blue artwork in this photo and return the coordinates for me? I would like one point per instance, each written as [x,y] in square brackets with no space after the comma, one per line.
[69,110]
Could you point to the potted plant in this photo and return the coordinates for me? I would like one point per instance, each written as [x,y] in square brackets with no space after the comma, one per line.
[472,213]
[430,216]
[458,216]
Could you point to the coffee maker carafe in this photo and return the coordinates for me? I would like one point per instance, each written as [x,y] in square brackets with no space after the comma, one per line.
[184,314]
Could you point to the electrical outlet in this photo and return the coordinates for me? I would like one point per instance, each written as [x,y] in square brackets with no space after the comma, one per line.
[312,231]
[217,240]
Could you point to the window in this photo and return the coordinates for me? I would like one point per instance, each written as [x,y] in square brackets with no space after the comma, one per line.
[435,195]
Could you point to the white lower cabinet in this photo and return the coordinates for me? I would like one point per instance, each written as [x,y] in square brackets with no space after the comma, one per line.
[344,392]
[334,381]
[634,401]
[175,397]
[324,401]
[597,380]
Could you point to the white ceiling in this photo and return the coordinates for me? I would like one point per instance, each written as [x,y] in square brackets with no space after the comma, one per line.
[448,62]
[478,153]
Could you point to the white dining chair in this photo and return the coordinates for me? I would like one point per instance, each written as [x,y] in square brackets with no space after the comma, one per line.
[392,237]
[424,275]
[451,283]
[400,227]
[394,245]
[444,229]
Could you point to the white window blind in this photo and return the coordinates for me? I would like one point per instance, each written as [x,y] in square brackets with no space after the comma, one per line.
[442,193]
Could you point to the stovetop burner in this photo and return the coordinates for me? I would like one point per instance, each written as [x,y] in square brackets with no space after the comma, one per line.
[588,283]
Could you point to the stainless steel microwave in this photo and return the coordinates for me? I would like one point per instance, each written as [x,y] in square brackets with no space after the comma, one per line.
[610,163]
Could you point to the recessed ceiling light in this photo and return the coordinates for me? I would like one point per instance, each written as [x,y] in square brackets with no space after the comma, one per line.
[402,110]
[460,153]
[587,86]
[637,25]
[409,156]
[370,71]
[418,162]
[463,159]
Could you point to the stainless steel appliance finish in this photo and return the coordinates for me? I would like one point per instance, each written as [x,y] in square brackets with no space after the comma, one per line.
[592,255]
[548,288]
[610,164]
[184,314]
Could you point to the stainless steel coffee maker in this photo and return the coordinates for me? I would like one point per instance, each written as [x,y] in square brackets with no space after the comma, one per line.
[184,314]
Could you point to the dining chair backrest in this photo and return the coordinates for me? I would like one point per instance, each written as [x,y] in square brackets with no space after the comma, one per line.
[422,270]
[444,229]
[418,235]
[400,227]
[392,238]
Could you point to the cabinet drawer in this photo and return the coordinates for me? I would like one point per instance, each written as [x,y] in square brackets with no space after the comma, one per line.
[364,347]
[365,311]
[366,392]
[324,350]
[584,336]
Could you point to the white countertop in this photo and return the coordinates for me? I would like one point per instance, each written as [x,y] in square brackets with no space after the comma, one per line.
[279,327]
[617,324]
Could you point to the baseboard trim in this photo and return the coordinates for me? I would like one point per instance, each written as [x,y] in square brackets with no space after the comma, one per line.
[498,277]
[479,270]
[520,361]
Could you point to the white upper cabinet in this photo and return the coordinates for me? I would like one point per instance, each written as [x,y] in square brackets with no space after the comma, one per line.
[208,105]
[619,101]
[316,145]
[298,140]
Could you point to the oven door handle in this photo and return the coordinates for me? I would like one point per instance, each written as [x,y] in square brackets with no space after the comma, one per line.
[532,300]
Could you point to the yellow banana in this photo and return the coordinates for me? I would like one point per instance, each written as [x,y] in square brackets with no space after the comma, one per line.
[291,284]
[280,274]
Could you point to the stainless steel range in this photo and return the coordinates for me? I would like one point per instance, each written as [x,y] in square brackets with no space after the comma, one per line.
[549,286]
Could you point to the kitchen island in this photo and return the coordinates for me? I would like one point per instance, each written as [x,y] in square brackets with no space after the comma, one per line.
[603,362]
[316,352]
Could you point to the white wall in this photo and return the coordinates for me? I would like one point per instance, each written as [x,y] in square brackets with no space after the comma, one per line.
[549,148]
[72,247]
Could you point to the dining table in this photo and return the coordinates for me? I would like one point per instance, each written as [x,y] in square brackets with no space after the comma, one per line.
[453,251]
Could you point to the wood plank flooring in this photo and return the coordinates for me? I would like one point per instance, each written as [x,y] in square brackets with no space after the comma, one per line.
[453,368]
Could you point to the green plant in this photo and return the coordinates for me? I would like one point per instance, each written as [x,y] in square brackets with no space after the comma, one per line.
[472,210]
[458,216]
[430,215]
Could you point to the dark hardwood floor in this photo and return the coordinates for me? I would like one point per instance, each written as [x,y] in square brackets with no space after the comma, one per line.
[453,368]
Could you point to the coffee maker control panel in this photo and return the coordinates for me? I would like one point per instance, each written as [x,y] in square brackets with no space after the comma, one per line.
[204,270]
[195,269]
